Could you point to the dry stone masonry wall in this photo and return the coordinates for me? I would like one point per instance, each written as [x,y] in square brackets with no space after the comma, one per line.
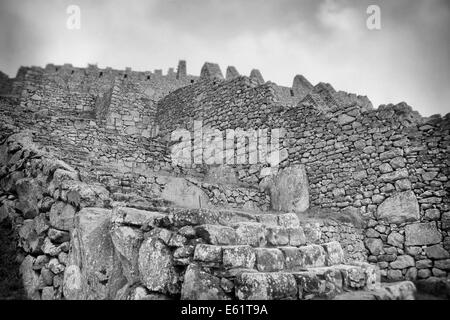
[370,182]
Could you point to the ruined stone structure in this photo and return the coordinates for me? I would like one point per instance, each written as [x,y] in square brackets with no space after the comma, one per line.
[102,212]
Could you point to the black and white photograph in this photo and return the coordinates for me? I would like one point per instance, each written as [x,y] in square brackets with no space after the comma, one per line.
[199,155]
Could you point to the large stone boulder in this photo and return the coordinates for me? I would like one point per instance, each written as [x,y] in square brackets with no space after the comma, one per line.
[184,194]
[422,234]
[156,266]
[135,217]
[269,259]
[72,283]
[93,253]
[62,216]
[200,285]
[289,189]
[400,208]
[29,192]
[30,278]
[127,241]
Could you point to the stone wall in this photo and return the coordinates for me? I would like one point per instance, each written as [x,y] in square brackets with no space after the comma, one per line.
[387,165]
[41,196]
[5,83]
[78,243]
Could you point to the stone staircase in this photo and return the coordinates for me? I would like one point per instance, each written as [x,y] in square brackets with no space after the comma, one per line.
[226,254]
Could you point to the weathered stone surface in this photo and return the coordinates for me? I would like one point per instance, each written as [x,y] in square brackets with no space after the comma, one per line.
[313,233]
[435,286]
[445,221]
[403,262]
[85,195]
[55,266]
[395,175]
[48,293]
[30,278]
[443,264]
[28,238]
[156,265]
[289,190]
[396,239]
[319,283]
[218,235]
[251,233]
[72,287]
[400,208]
[29,193]
[265,286]
[345,119]
[127,241]
[288,220]
[269,259]
[242,256]
[312,256]
[404,290]
[62,216]
[46,277]
[423,264]
[58,236]
[211,71]
[208,253]
[184,194]
[49,248]
[256,74]
[422,234]
[200,285]
[293,258]
[333,253]
[296,236]
[277,236]
[93,245]
[40,262]
[135,217]
[437,252]
[375,246]
[353,277]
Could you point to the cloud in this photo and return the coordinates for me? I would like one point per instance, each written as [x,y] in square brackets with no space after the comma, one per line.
[407,60]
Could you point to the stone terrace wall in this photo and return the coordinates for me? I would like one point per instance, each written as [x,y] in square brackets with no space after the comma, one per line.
[5,84]
[121,100]
[76,243]
[125,164]
[359,160]
[41,196]
[387,166]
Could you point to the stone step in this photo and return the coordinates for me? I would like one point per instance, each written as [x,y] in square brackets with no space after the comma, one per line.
[254,234]
[313,283]
[403,290]
[287,258]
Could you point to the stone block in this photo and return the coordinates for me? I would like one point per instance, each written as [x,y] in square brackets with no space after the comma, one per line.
[266,286]
[242,256]
[333,253]
[421,234]
[208,253]
[217,235]
[269,259]
[399,208]
[200,285]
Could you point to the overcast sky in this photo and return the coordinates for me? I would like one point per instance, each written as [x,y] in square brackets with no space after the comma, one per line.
[407,60]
